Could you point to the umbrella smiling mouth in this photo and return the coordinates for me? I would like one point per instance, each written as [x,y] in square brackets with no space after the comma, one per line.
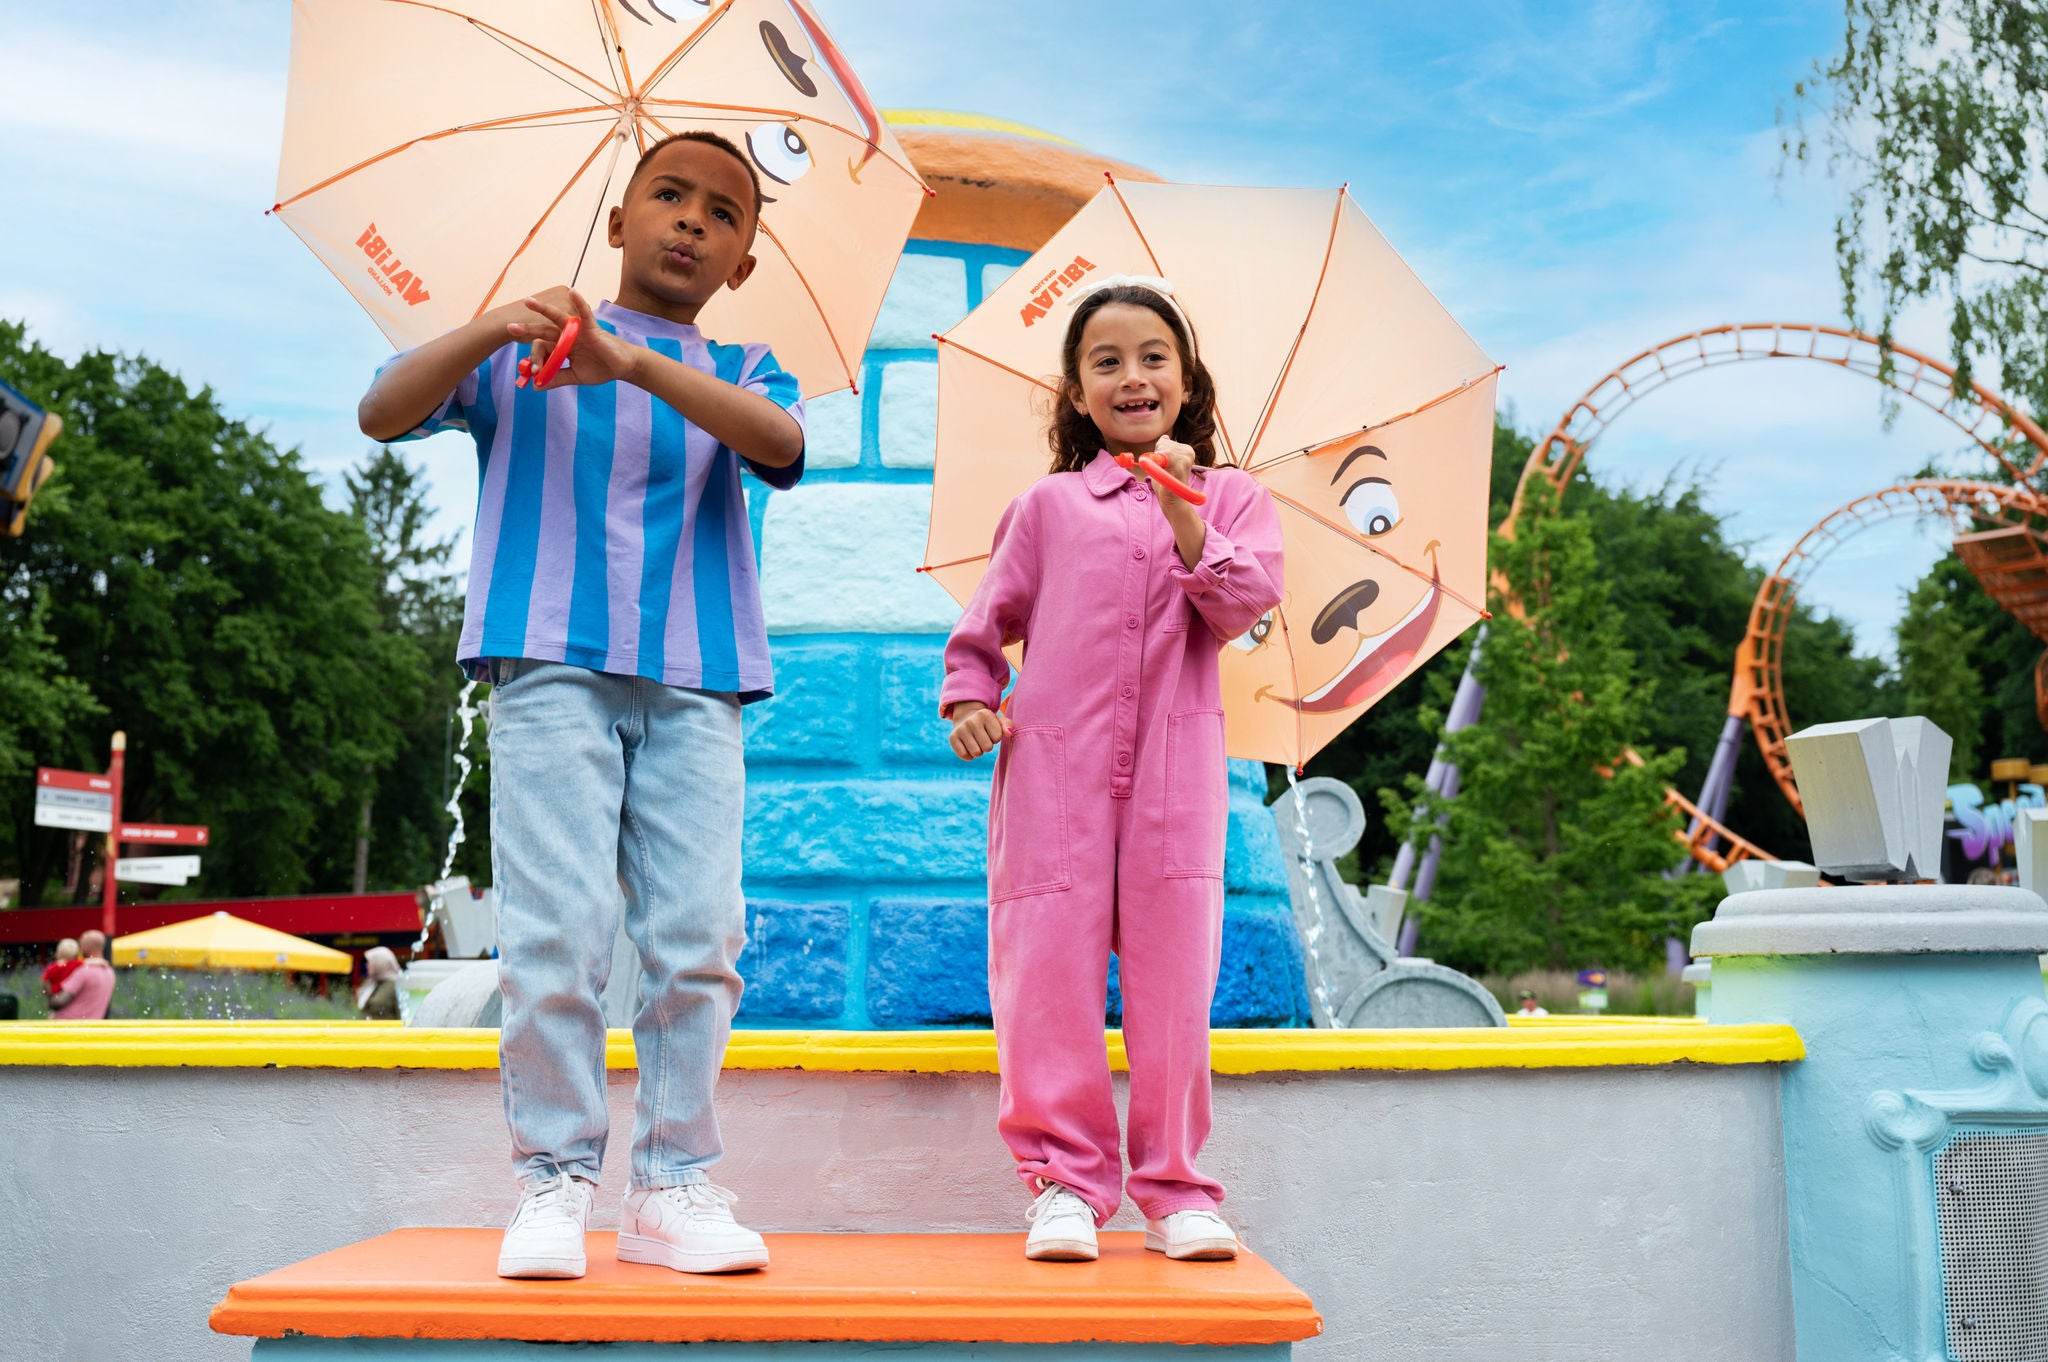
[1380,657]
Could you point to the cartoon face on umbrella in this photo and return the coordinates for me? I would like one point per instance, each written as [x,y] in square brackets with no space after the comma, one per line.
[1368,603]
[473,162]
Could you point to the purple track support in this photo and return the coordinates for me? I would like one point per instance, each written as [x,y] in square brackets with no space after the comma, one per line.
[1441,779]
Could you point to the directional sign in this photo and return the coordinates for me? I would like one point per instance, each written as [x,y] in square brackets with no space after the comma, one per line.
[53,777]
[157,869]
[74,799]
[164,834]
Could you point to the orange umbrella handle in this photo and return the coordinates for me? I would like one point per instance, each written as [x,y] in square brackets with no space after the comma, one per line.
[558,356]
[1192,496]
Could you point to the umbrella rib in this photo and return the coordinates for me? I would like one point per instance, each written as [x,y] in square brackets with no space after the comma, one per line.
[385,155]
[1355,537]
[965,350]
[668,63]
[615,56]
[787,116]
[1436,401]
[1273,398]
[957,562]
[590,232]
[512,42]
[851,380]
[539,222]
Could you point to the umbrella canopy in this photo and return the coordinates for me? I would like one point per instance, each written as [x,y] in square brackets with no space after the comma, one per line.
[1342,384]
[224,941]
[443,159]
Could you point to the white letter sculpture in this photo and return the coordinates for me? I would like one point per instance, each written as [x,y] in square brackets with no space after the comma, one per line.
[1873,795]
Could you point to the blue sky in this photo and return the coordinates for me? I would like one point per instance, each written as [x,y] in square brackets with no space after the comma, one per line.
[1576,180]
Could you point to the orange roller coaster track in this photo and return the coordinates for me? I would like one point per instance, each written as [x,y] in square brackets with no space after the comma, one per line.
[2011,559]
[1977,412]
[2013,519]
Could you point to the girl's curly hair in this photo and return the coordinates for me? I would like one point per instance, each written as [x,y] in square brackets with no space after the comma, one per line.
[1072,434]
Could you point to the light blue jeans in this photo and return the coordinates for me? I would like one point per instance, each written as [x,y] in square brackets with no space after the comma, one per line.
[603,783]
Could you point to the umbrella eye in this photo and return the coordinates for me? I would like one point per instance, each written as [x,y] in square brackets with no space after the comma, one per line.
[780,151]
[1371,506]
[1252,639]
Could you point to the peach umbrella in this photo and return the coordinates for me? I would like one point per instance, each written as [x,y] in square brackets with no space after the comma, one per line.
[1343,385]
[442,159]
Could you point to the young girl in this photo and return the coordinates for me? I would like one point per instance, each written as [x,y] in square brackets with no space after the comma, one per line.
[1107,818]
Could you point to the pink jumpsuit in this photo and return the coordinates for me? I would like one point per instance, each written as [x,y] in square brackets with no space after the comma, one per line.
[1107,818]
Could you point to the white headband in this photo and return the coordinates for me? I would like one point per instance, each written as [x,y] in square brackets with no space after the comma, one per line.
[1150,282]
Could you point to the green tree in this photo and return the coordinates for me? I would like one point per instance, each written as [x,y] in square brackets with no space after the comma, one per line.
[211,604]
[1936,676]
[420,601]
[1937,112]
[1974,639]
[1554,847]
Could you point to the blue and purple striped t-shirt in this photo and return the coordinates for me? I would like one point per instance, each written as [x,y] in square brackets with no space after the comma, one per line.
[610,531]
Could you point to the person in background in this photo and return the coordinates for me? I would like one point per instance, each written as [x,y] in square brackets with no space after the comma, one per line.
[89,990]
[1530,1007]
[377,995]
[62,968]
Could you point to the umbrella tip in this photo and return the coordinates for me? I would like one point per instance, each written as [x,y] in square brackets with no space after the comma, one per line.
[1108,176]
[1486,614]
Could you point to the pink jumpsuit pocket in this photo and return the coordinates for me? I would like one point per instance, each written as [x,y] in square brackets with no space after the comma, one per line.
[1197,794]
[1027,815]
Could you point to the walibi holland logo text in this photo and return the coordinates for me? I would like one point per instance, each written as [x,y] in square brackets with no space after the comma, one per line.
[1051,287]
[388,272]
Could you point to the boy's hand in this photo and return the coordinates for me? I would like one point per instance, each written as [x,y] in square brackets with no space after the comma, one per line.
[977,729]
[597,357]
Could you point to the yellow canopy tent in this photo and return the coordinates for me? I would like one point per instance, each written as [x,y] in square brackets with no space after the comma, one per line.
[224,941]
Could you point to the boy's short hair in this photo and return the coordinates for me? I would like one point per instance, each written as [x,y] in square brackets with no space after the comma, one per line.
[709,139]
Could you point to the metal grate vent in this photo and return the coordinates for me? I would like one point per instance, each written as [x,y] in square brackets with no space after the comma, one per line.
[1991,1195]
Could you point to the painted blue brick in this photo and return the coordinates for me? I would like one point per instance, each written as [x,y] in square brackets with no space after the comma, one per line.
[856,832]
[1251,847]
[814,717]
[795,961]
[912,732]
[928,962]
[1260,983]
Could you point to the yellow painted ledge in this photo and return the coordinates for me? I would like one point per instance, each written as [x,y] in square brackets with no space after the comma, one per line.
[354,1045]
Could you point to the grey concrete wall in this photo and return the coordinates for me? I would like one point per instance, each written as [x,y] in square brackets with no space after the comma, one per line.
[1596,1214]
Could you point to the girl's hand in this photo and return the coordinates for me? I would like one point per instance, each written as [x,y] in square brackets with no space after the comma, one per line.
[977,729]
[598,356]
[1190,531]
[1177,459]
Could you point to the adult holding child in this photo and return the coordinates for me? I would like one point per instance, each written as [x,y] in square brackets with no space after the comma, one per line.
[613,598]
[87,992]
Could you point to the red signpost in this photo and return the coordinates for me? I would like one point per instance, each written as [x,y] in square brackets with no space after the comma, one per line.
[107,876]
[87,802]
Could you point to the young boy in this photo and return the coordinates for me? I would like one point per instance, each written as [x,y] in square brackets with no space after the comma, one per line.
[614,605]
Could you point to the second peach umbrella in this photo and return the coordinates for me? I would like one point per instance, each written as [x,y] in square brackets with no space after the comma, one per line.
[1342,384]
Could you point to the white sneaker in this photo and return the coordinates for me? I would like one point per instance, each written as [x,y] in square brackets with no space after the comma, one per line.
[1062,1227]
[545,1238]
[689,1228]
[1192,1235]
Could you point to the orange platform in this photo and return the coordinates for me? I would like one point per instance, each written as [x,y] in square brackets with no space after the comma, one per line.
[883,1288]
